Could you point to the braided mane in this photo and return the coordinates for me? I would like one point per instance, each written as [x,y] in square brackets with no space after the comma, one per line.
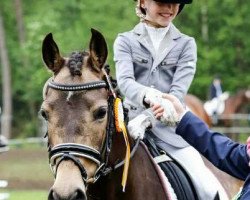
[76,62]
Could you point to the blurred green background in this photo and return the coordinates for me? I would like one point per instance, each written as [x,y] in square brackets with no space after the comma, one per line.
[221,30]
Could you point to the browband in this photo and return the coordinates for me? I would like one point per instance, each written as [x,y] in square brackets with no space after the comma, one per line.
[78,87]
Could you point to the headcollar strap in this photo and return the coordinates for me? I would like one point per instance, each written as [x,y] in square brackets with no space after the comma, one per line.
[104,70]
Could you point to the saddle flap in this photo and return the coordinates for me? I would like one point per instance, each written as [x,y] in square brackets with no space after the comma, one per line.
[174,172]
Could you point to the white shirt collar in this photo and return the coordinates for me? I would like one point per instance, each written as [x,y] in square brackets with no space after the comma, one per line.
[156,34]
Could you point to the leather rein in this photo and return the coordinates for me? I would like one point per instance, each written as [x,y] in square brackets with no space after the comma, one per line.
[73,151]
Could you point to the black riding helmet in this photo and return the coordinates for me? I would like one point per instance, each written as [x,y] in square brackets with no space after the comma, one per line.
[181,2]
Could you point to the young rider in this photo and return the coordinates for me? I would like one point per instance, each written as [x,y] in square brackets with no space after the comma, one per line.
[156,57]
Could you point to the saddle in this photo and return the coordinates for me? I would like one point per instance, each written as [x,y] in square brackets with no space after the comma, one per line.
[176,175]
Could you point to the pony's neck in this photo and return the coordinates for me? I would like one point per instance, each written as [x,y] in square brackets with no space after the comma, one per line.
[236,102]
[142,179]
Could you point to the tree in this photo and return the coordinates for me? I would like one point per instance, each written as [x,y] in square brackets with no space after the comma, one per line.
[6,83]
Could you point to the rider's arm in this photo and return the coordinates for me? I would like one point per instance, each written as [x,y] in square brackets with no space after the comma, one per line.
[224,153]
[125,74]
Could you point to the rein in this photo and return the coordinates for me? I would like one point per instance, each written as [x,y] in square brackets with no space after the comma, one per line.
[72,151]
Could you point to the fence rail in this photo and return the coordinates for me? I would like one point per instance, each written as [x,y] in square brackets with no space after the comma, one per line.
[235,117]
[235,130]
[32,140]
[239,123]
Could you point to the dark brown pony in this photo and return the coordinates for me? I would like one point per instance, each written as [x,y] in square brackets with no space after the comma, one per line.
[231,184]
[84,149]
[236,102]
[233,105]
[196,106]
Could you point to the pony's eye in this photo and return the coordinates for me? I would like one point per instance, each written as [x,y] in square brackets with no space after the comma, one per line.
[44,114]
[100,113]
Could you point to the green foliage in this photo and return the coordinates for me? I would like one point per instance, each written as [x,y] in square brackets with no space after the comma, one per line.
[225,51]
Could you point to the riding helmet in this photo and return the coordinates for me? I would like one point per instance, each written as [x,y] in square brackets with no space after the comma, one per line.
[176,1]
[181,2]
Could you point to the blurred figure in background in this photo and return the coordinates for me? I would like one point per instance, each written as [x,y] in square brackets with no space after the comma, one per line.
[215,89]
[216,104]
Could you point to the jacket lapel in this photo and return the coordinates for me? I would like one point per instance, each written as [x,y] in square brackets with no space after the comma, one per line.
[143,38]
[167,44]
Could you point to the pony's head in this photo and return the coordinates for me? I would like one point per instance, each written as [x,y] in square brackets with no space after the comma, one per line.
[75,106]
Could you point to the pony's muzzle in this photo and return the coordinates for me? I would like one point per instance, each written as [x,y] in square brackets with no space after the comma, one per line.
[77,194]
[68,184]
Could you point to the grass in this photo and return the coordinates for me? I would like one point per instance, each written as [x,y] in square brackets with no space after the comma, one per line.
[27,194]
[26,169]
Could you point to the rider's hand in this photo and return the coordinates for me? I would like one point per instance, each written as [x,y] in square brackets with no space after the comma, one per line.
[174,107]
[149,96]
[153,96]
[165,112]
[138,126]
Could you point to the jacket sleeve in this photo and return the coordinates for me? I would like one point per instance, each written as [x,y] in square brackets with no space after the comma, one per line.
[125,71]
[227,155]
[185,70]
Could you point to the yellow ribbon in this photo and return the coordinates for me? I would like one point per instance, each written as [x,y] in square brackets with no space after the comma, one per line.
[120,127]
[127,157]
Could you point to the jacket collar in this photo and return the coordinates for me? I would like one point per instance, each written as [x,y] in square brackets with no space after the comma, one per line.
[140,30]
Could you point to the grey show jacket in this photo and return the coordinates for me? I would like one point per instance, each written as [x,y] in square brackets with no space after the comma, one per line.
[170,70]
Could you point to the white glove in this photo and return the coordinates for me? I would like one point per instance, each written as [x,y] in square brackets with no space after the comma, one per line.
[170,116]
[152,95]
[138,125]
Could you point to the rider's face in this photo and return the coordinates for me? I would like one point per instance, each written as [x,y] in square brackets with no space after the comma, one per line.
[160,13]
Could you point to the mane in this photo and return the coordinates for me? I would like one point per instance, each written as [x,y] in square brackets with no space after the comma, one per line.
[75,63]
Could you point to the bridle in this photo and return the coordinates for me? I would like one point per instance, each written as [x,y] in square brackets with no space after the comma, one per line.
[72,151]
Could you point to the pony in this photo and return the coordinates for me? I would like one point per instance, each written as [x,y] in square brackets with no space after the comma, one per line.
[236,102]
[86,153]
[232,105]
[196,106]
[88,146]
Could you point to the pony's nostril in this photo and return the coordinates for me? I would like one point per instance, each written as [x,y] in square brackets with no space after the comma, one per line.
[78,195]
[52,195]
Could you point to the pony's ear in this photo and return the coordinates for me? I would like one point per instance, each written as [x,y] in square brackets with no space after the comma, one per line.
[51,54]
[98,49]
